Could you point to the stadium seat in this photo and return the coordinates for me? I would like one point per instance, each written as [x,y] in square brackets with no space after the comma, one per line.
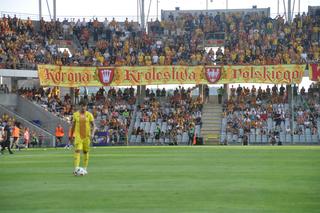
[229,137]
[241,132]
[150,140]
[137,124]
[294,124]
[286,106]
[179,139]
[198,130]
[282,126]
[252,138]
[223,136]
[147,127]
[264,139]
[185,138]
[139,114]
[234,138]
[308,138]
[138,140]
[288,138]
[164,127]
[166,140]
[287,122]
[282,137]
[258,139]
[270,123]
[153,127]
[308,131]
[315,139]
[133,138]
[224,121]
[142,125]
[252,131]
[224,127]
[161,140]
[296,139]
[258,131]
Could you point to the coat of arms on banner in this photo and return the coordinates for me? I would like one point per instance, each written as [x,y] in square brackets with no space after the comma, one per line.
[106,75]
[213,74]
[314,73]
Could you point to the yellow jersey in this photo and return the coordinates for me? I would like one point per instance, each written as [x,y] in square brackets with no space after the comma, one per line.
[82,129]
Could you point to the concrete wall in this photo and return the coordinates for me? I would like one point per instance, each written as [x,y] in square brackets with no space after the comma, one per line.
[31,111]
[48,139]
[10,100]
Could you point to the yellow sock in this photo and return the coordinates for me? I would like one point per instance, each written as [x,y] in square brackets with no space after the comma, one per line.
[76,159]
[85,159]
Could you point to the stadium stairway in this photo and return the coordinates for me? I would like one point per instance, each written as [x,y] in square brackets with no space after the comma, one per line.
[48,138]
[211,121]
[32,112]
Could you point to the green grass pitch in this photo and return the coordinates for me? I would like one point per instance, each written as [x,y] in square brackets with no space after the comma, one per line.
[164,179]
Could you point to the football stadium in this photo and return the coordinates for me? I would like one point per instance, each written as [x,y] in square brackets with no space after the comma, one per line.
[159,106]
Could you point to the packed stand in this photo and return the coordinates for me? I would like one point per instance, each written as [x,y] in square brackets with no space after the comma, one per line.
[256,115]
[113,111]
[248,39]
[49,99]
[22,46]
[164,118]
[306,125]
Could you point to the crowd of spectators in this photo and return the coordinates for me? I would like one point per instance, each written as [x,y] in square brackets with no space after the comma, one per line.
[248,39]
[22,46]
[21,136]
[307,111]
[49,99]
[168,118]
[259,115]
[165,117]
[175,114]
[111,109]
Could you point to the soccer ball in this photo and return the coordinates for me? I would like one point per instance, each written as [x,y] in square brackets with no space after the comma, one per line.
[80,172]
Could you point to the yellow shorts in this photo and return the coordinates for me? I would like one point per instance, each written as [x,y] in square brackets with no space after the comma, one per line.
[82,144]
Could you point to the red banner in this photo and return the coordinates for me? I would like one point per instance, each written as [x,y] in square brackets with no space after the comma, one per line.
[314,72]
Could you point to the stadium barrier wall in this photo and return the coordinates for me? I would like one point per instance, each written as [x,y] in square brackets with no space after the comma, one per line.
[46,120]
[48,138]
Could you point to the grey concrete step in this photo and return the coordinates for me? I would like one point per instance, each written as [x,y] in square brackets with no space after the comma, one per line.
[212,108]
[208,133]
[214,128]
[211,128]
[211,111]
[212,142]
[212,121]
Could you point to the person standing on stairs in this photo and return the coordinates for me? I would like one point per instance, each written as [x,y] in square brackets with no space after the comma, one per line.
[220,94]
